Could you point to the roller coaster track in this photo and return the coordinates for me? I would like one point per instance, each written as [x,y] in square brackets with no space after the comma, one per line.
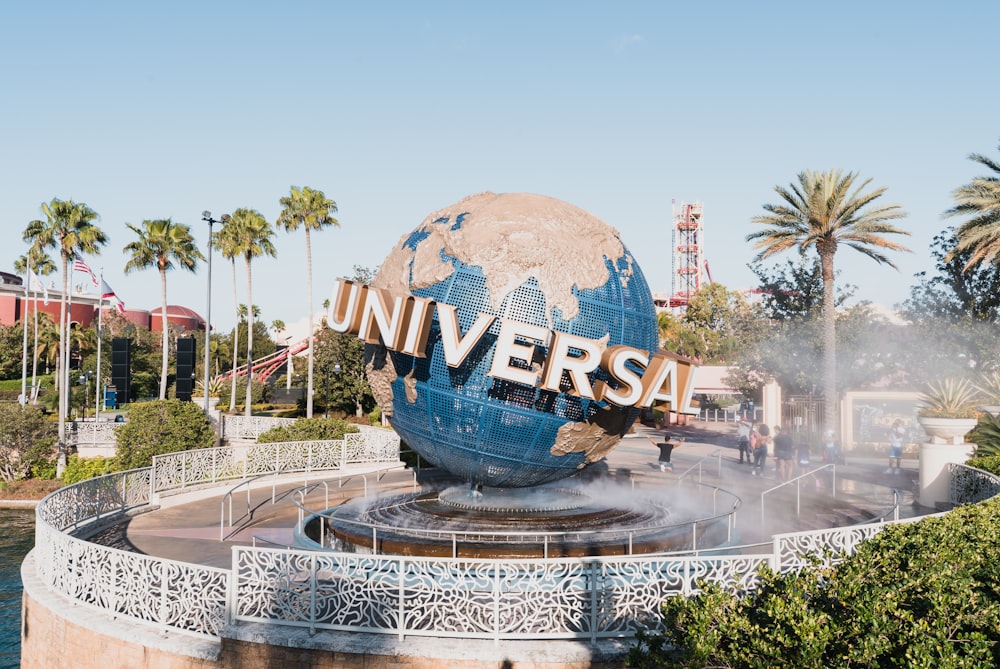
[267,365]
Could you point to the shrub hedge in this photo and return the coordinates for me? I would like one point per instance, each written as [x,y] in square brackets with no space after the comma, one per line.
[922,594]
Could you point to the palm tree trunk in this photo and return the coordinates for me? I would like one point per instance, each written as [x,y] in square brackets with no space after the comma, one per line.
[34,359]
[164,337]
[61,457]
[236,342]
[309,291]
[247,410]
[829,344]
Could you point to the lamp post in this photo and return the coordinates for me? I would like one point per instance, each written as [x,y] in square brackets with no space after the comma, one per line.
[207,217]
[85,380]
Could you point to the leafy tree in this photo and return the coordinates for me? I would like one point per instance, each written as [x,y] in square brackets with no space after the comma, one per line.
[68,227]
[795,289]
[26,438]
[825,210]
[161,244]
[311,210]
[159,427]
[958,290]
[347,390]
[308,429]
[979,236]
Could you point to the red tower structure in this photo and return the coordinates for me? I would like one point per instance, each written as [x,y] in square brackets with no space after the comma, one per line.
[688,257]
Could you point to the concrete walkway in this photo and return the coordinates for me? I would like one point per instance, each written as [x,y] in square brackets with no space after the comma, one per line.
[188,527]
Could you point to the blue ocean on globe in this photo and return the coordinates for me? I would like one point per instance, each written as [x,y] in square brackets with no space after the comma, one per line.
[497,433]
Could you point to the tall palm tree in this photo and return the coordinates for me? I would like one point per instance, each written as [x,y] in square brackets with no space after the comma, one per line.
[823,211]
[980,200]
[68,227]
[313,211]
[161,244]
[39,262]
[251,238]
[226,240]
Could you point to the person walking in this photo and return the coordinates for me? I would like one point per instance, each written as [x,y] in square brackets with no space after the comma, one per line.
[784,453]
[666,448]
[896,435]
[743,440]
[760,452]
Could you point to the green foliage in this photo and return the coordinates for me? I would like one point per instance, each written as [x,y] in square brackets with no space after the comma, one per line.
[795,290]
[158,427]
[26,439]
[986,435]
[308,429]
[989,386]
[949,398]
[80,469]
[260,392]
[924,594]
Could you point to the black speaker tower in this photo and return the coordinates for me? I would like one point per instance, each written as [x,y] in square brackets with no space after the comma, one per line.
[121,368]
[184,385]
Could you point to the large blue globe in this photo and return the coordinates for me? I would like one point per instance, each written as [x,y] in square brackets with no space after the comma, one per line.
[531,259]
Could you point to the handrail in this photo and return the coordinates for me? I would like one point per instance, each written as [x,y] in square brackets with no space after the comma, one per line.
[798,488]
[698,465]
[545,536]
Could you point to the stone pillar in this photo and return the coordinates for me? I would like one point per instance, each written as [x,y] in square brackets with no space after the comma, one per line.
[935,480]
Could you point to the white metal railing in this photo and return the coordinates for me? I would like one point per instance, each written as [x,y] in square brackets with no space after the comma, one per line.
[459,538]
[585,598]
[94,433]
[250,427]
[797,481]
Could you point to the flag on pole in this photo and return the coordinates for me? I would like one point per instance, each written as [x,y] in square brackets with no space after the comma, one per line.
[37,286]
[80,265]
[108,294]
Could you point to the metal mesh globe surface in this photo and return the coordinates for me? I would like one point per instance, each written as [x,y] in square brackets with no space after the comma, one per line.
[492,431]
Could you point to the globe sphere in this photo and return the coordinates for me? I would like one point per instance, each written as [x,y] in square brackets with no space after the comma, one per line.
[534,260]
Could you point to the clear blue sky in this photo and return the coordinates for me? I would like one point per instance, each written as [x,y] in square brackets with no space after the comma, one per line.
[394,109]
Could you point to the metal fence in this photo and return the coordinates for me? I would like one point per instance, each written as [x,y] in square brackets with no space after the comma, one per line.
[585,598]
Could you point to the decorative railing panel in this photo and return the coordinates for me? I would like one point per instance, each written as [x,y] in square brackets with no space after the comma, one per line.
[186,468]
[96,432]
[971,486]
[496,599]
[251,427]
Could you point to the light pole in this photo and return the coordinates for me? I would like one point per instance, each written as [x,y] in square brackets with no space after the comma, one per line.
[85,380]
[207,217]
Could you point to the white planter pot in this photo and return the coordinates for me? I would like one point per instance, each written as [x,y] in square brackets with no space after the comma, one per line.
[946,430]
[935,479]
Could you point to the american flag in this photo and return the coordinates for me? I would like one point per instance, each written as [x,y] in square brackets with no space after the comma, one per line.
[81,266]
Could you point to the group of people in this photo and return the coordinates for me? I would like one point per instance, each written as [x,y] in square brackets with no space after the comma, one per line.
[756,439]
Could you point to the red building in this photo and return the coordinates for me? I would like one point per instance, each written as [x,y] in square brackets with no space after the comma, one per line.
[83,308]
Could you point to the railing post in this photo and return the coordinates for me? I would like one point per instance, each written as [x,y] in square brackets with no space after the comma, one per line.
[593,598]
[312,595]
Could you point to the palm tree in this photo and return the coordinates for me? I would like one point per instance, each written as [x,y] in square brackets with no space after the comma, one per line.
[980,200]
[162,244]
[278,326]
[823,211]
[226,241]
[313,211]
[251,238]
[68,227]
[39,262]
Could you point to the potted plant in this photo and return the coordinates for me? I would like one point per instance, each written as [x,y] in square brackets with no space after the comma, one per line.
[949,409]
[947,414]
[989,386]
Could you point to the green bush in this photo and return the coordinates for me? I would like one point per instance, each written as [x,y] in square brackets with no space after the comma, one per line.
[308,429]
[923,594]
[80,469]
[986,435]
[158,427]
[26,441]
